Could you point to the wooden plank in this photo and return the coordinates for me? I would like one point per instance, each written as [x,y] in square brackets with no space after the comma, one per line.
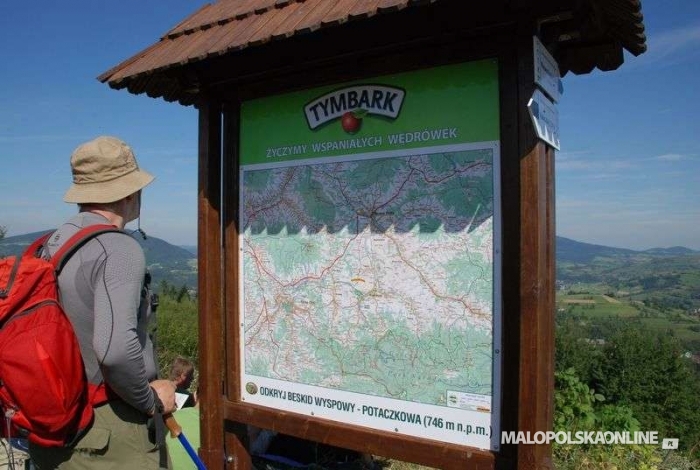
[314,20]
[237,456]
[381,47]
[407,448]
[536,272]
[209,285]
[510,254]
[231,250]
[339,12]
[297,19]
[537,309]
[236,440]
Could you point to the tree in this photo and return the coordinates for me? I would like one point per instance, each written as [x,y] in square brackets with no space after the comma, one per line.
[164,288]
[576,348]
[183,294]
[645,371]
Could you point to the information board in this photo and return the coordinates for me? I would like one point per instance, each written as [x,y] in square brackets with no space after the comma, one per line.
[370,253]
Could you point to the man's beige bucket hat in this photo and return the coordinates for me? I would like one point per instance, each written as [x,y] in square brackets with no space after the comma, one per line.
[104,170]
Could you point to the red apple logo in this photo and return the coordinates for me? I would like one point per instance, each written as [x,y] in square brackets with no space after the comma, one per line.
[352,120]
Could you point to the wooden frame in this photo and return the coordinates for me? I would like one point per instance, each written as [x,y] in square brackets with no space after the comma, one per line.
[527,197]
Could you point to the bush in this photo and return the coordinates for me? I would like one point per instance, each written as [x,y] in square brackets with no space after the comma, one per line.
[578,408]
[177,331]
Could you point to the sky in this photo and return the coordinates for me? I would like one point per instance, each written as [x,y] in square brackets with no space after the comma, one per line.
[627,174]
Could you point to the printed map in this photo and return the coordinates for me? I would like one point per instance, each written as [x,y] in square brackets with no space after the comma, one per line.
[372,276]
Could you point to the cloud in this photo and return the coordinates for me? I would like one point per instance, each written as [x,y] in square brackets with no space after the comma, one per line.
[573,204]
[604,166]
[574,161]
[670,157]
[606,176]
[21,204]
[574,165]
[637,225]
[34,138]
[672,46]
[675,157]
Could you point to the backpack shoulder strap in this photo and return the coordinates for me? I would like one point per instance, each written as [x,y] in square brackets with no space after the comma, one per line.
[67,250]
[33,249]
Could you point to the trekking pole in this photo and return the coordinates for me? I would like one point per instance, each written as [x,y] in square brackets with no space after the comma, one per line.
[176,431]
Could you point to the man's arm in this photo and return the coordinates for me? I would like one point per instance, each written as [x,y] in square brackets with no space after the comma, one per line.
[118,338]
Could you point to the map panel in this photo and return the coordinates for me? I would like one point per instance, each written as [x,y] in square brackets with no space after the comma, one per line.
[372,277]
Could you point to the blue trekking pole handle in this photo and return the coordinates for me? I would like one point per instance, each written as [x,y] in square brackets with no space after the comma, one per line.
[176,431]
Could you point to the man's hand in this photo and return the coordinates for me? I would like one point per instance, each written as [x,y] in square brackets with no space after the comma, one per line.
[166,392]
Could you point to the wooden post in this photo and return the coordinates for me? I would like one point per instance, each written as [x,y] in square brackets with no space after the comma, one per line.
[237,456]
[537,303]
[211,315]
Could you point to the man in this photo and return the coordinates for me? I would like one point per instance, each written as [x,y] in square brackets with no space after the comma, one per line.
[102,290]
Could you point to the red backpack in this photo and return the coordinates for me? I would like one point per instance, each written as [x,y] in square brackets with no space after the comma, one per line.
[44,393]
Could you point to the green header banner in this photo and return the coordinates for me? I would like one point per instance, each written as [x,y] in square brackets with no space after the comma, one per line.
[438,106]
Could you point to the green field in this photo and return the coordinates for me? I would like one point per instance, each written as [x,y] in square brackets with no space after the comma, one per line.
[593,307]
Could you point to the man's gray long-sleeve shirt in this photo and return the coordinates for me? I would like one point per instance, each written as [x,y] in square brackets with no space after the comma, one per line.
[101,288]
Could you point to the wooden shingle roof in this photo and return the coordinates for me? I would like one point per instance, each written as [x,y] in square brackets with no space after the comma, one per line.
[588,34]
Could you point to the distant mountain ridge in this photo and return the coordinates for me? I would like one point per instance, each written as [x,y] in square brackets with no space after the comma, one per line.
[165,261]
[573,251]
[178,265]
[579,252]
[664,276]
[671,251]
[191,248]
[569,250]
